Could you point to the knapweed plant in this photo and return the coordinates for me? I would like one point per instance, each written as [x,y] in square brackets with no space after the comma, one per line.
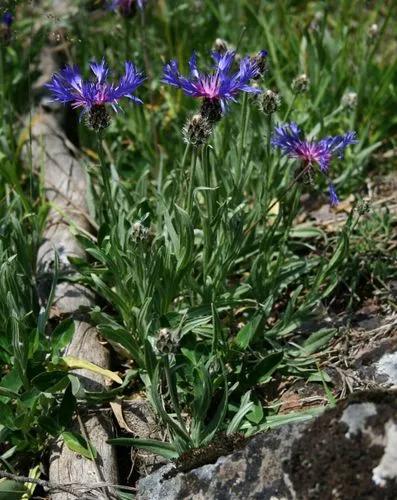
[215,252]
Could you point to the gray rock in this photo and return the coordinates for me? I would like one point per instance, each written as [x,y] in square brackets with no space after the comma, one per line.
[349,451]
[387,367]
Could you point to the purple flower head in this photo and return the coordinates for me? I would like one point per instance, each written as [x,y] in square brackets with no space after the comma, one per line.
[67,86]
[288,138]
[127,7]
[222,85]
[7,19]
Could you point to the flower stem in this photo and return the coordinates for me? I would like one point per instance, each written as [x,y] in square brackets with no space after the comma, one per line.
[191,182]
[286,117]
[106,182]
[243,131]
[207,230]
[280,198]
[290,186]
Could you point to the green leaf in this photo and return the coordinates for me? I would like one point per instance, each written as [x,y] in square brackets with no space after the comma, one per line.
[11,490]
[264,369]
[316,341]
[78,444]
[7,417]
[123,337]
[245,407]
[248,332]
[54,381]
[67,407]
[62,335]
[49,425]
[45,312]
[166,450]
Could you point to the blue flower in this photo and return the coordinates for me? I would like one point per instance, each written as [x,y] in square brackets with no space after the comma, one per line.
[127,7]
[288,138]
[222,85]
[67,86]
[7,19]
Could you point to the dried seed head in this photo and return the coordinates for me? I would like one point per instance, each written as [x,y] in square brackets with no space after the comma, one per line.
[166,342]
[269,102]
[300,84]
[221,46]
[349,100]
[98,117]
[211,110]
[197,130]
[373,31]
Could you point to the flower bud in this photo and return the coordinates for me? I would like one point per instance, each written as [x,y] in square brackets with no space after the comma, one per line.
[140,233]
[166,342]
[221,46]
[373,31]
[269,102]
[349,100]
[300,84]
[197,130]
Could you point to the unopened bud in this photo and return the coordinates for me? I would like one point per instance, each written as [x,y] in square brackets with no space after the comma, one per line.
[140,233]
[363,207]
[166,342]
[300,84]
[373,31]
[221,46]
[269,102]
[349,100]
[197,130]
[316,21]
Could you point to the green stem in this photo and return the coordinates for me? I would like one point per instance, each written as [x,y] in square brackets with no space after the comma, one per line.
[280,198]
[244,121]
[266,171]
[289,108]
[191,182]
[2,83]
[127,30]
[207,244]
[288,189]
[106,182]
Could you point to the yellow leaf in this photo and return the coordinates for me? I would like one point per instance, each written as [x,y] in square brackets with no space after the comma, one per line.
[76,363]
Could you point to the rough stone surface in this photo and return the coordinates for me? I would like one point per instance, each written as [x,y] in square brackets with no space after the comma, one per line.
[254,472]
[387,367]
[349,451]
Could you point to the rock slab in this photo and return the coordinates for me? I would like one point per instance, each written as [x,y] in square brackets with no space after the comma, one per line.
[350,451]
